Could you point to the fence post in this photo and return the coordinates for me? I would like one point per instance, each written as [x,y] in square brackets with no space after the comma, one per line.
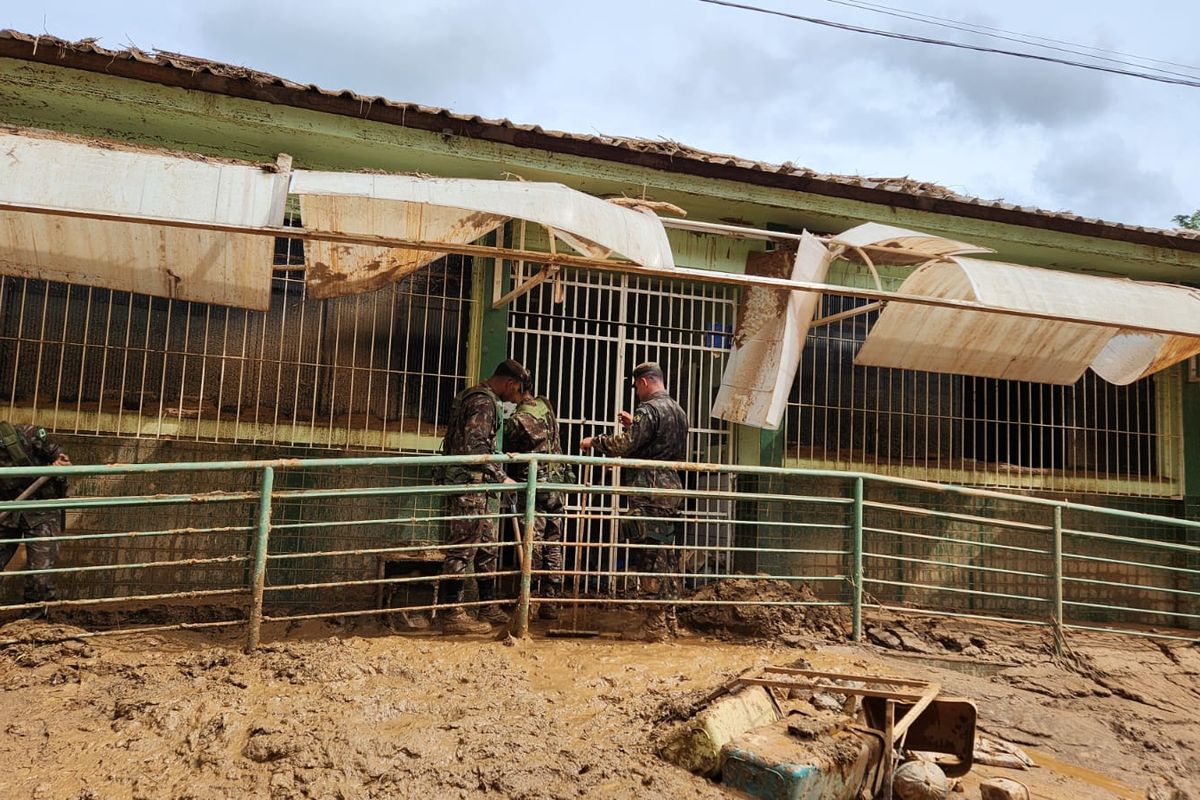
[526,545]
[1057,559]
[856,571]
[259,577]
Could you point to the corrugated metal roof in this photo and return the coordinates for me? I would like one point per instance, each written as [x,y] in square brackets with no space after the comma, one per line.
[204,75]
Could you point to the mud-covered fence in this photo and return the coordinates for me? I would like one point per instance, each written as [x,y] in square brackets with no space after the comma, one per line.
[297,539]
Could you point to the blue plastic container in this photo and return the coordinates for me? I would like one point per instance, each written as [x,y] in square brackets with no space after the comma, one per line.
[771,764]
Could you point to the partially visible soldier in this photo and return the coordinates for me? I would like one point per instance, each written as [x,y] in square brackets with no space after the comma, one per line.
[474,428]
[30,446]
[533,428]
[656,431]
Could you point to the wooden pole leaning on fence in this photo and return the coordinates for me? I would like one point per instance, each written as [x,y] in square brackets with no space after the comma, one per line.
[525,549]
[259,575]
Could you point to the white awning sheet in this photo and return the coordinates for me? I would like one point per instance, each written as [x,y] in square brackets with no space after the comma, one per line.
[772,326]
[970,342]
[456,211]
[80,175]
[911,246]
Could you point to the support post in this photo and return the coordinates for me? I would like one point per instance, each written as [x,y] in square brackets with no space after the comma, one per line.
[889,751]
[1056,555]
[259,576]
[856,570]
[526,545]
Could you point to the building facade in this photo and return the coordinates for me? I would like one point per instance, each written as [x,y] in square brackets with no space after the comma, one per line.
[122,376]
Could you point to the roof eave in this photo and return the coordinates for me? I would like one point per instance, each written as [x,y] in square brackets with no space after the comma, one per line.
[126,64]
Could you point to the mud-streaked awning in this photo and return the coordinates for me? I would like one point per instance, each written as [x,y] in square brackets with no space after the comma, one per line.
[1055,349]
[773,323]
[771,328]
[900,245]
[453,211]
[80,176]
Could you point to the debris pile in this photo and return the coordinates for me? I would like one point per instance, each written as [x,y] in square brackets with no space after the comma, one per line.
[771,609]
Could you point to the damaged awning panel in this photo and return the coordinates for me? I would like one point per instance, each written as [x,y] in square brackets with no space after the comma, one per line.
[81,176]
[454,211]
[769,337]
[1057,349]
[336,270]
[899,246]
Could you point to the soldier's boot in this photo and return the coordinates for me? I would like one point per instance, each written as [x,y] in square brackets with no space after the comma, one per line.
[414,620]
[548,610]
[672,622]
[491,613]
[652,629]
[37,593]
[39,613]
[456,620]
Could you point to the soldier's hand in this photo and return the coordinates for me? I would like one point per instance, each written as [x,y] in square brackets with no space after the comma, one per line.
[508,479]
[625,418]
[61,461]
[586,444]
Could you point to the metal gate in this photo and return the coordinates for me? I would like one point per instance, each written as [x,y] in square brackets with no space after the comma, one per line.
[581,336]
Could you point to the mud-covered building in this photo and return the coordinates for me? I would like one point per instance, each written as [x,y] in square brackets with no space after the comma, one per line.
[122,375]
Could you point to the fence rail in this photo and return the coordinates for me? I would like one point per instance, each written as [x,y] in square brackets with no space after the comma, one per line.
[243,543]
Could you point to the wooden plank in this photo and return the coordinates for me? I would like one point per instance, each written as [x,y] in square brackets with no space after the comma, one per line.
[911,715]
[902,697]
[849,676]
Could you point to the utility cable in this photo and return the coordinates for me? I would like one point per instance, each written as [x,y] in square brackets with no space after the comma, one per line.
[1021,38]
[959,45]
[873,6]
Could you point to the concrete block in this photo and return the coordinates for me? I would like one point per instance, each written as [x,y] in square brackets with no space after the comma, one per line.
[1003,789]
[697,745]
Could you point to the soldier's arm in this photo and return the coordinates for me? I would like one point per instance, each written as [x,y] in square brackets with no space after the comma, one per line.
[520,435]
[479,424]
[43,449]
[629,440]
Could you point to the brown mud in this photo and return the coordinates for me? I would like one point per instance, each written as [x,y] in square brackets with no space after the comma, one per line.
[327,710]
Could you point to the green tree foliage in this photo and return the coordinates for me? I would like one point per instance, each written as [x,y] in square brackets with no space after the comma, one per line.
[1189,221]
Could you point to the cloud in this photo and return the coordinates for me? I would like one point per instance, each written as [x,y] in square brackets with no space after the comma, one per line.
[1107,177]
[995,89]
[464,54]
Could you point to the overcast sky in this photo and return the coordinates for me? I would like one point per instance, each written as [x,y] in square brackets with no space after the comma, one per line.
[732,81]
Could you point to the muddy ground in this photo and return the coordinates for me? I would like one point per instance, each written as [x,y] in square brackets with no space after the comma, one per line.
[329,710]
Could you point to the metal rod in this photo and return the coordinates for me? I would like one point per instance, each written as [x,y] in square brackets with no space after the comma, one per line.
[1056,561]
[856,580]
[254,628]
[526,545]
[853,312]
[628,267]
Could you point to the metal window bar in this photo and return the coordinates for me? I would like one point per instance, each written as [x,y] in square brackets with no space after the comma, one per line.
[1092,437]
[361,373]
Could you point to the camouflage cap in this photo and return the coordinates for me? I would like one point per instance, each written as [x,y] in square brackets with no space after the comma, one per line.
[511,368]
[648,369]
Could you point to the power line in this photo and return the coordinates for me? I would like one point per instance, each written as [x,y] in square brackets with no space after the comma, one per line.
[1021,38]
[959,45]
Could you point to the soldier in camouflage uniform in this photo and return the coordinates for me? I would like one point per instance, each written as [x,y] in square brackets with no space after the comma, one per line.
[474,428]
[533,428]
[656,431]
[29,446]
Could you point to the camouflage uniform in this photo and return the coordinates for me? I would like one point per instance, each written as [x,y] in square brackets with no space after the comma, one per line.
[32,447]
[472,429]
[533,428]
[658,433]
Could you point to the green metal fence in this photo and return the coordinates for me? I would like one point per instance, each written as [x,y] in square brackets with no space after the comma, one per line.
[157,547]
